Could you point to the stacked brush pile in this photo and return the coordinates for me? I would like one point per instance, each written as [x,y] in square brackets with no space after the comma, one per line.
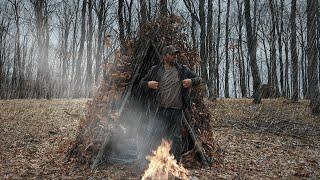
[118,92]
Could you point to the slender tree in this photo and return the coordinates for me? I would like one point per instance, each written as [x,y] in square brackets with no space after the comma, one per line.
[279,24]
[163,8]
[313,90]
[43,79]
[216,70]
[143,12]
[88,83]
[226,77]
[203,55]
[128,17]
[65,22]
[210,49]
[252,49]
[121,24]
[74,40]
[273,58]
[78,77]
[16,83]
[240,51]
[101,12]
[294,55]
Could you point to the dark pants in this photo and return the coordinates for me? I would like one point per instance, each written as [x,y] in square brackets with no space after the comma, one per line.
[167,125]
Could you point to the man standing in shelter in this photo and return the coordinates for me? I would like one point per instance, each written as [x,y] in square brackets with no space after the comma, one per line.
[169,84]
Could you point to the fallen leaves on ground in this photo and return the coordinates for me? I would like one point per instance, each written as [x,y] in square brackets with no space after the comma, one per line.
[34,135]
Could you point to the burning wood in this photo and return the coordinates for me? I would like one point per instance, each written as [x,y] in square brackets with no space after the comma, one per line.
[163,165]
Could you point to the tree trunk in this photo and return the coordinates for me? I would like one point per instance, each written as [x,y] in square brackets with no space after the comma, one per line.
[163,8]
[287,85]
[312,53]
[294,56]
[234,72]
[273,58]
[226,77]
[88,84]
[101,14]
[74,43]
[65,34]
[16,73]
[143,12]
[121,25]
[203,56]
[210,49]
[318,38]
[252,44]
[240,52]
[78,76]
[303,62]
[128,18]
[42,87]
[280,32]
[216,71]
[193,33]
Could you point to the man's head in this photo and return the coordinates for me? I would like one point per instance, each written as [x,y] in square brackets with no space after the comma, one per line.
[169,53]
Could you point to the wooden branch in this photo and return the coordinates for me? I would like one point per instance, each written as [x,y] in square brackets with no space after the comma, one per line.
[101,152]
[197,145]
[193,14]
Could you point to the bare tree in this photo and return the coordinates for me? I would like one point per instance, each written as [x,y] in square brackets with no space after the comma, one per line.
[194,19]
[279,25]
[240,50]
[4,30]
[74,39]
[128,18]
[143,12]
[273,59]
[210,49]
[65,20]
[121,24]
[16,79]
[286,50]
[78,77]
[226,77]
[101,12]
[88,83]
[252,49]
[163,8]
[216,71]
[43,79]
[313,90]
[203,55]
[294,55]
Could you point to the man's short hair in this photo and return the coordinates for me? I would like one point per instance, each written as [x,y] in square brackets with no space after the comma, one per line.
[169,50]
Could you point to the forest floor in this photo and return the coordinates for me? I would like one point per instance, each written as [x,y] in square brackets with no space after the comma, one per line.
[273,140]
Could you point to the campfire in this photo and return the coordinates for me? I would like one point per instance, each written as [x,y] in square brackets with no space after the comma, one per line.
[163,165]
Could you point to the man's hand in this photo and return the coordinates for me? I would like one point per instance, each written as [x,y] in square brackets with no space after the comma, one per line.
[153,84]
[187,83]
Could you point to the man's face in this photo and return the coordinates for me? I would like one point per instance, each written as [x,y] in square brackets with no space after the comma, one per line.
[170,57]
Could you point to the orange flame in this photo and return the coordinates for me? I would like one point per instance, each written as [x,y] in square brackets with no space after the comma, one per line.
[163,165]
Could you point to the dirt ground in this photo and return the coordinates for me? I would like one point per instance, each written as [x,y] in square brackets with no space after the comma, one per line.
[272,140]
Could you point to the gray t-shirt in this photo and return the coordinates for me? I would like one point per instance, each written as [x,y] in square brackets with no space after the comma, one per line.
[170,89]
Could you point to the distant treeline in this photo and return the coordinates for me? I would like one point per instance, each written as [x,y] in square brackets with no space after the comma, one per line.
[59,48]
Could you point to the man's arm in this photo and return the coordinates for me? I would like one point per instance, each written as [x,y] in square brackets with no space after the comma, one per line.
[144,81]
[196,80]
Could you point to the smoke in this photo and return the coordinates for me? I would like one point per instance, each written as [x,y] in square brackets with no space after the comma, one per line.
[131,143]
